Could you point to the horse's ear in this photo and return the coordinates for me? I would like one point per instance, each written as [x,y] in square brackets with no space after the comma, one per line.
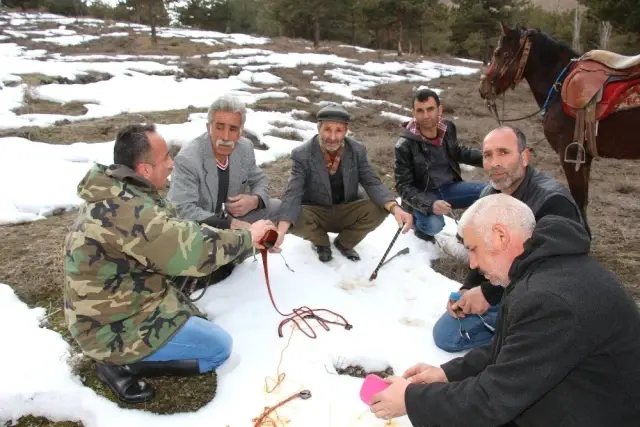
[505,28]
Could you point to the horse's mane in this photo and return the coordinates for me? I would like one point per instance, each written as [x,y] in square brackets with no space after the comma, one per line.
[549,49]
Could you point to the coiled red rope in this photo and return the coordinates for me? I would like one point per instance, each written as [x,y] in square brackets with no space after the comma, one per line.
[301,314]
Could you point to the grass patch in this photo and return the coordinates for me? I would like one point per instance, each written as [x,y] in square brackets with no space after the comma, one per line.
[98,130]
[359,372]
[39,106]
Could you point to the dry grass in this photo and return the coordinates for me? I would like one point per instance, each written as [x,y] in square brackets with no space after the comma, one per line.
[38,106]
[135,44]
[97,130]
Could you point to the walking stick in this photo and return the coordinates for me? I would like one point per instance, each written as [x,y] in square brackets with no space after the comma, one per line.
[375,272]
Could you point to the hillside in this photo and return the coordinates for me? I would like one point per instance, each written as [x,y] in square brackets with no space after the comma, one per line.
[67,86]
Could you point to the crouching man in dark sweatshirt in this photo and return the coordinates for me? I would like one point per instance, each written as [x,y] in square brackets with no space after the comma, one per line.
[567,345]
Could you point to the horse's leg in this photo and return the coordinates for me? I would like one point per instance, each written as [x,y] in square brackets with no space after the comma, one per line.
[578,182]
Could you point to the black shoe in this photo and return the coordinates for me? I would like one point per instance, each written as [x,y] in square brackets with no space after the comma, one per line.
[324,253]
[123,384]
[348,253]
[175,368]
[427,238]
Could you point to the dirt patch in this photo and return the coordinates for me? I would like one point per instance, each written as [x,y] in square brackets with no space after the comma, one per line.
[98,130]
[135,44]
[173,394]
[34,80]
[286,134]
[278,173]
[201,69]
[359,372]
[281,105]
[39,106]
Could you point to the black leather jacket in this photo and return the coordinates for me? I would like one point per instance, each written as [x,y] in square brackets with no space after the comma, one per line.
[412,171]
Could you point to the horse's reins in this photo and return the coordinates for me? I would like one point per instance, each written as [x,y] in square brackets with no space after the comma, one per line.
[525,48]
[302,313]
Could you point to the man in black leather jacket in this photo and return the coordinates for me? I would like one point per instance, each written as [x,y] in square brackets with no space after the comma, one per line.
[427,167]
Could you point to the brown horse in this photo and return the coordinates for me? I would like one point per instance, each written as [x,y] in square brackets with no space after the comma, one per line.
[546,64]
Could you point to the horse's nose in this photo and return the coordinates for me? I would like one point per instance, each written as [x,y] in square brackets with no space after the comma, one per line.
[482,87]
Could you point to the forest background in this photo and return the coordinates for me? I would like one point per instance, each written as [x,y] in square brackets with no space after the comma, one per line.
[465,28]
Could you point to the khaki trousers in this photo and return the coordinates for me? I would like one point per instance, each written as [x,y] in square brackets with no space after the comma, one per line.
[352,221]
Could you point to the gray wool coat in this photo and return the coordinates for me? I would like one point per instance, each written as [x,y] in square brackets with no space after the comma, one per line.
[309,180]
[194,181]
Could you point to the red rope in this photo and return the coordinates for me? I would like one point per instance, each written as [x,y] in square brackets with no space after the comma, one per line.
[302,313]
[304,394]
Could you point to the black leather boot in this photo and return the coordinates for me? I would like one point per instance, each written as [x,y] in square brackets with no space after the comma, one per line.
[346,252]
[172,368]
[426,237]
[324,253]
[123,384]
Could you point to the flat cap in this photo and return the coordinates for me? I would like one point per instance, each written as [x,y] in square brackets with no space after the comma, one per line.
[333,113]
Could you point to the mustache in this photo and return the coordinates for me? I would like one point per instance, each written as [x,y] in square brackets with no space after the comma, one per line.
[224,143]
[498,170]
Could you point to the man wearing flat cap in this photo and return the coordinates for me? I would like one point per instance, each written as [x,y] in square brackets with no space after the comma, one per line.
[323,194]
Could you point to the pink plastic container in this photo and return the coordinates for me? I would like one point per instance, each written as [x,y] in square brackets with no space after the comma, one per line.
[372,385]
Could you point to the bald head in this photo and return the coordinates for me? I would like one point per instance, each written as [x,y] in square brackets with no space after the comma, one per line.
[494,230]
[505,158]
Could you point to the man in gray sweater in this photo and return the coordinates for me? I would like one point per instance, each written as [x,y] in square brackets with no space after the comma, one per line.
[216,179]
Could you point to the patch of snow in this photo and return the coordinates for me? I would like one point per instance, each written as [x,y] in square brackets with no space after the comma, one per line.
[358,48]
[67,40]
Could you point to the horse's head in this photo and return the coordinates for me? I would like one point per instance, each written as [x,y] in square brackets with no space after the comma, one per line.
[507,63]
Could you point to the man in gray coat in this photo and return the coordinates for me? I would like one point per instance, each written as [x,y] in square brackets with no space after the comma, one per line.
[323,197]
[216,179]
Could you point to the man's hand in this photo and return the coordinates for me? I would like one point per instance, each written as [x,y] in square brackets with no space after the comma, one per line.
[472,301]
[242,204]
[425,374]
[389,403]
[403,218]
[450,303]
[258,229]
[440,207]
[236,224]
[283,227]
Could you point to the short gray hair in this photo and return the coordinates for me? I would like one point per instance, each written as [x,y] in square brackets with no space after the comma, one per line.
[498,209]
[230,103]
[522,139]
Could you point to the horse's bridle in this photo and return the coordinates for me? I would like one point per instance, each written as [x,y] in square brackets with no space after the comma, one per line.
[522,55]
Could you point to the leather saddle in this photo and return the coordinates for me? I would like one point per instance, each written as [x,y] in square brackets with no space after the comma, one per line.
[588,79]
[612,60]
[597,84]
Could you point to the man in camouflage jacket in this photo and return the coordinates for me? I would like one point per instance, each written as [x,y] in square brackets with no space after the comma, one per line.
[119,258]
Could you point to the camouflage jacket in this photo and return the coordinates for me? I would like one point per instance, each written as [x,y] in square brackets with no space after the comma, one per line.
[125,245]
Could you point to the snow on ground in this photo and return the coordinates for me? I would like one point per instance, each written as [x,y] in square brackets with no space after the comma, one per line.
[55,170]
[392,316]
[131,73]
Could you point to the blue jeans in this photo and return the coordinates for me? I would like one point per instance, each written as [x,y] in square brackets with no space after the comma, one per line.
[197,339]
[448,330]
[458,194]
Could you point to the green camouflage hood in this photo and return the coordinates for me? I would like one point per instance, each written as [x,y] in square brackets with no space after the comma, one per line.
[123,248]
